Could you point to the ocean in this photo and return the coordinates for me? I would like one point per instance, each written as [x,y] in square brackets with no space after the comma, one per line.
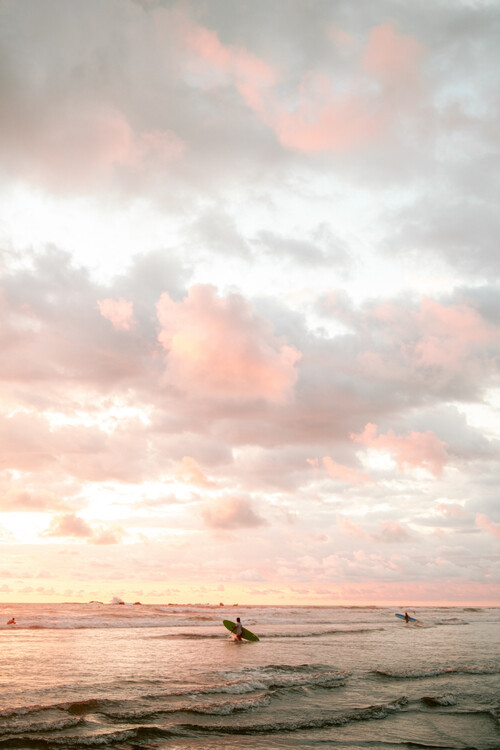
[170,676]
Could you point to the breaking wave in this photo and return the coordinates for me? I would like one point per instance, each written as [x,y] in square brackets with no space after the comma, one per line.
[337,720]
[415,674]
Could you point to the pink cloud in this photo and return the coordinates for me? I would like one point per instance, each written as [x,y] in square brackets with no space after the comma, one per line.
[392,531]
[344,473]
[445,349]
[416,449]
[349,528]
[119,312]
[93,140]
[318,116]
[28,443]
[486,524]
[30,501]
[323,121]
[69,525]
[219,348]
[434,335]
[391,55]
[231,513]
[188,470]
[251,75]
[84,144]
[449,333]
[108,536]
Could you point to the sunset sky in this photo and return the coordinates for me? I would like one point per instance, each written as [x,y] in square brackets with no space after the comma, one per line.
[249,294]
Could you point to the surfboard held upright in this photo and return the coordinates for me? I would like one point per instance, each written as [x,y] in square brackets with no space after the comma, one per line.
[246,634]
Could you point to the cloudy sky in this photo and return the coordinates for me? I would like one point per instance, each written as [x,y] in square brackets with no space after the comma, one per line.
[249,293]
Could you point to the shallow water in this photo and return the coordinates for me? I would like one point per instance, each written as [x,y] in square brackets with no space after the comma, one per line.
[171,677]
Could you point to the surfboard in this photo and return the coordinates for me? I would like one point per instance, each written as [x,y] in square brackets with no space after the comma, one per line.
[410,619]
[246,634]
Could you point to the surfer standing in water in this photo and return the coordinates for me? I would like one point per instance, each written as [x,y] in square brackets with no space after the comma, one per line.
[238,628]
[407,619]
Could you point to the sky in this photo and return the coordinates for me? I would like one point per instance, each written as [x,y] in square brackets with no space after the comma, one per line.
[249,295]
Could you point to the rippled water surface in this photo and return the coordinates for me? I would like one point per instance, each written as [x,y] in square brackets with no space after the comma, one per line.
[171,677]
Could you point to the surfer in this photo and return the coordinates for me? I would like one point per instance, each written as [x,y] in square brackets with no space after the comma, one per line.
[407,618]
[238,628]
[12,621]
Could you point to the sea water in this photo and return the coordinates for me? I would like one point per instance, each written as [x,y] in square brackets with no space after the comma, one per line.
[170,676]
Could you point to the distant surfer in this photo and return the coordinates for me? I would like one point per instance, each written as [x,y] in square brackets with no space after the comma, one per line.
[407,617]
[238,629]
[12,621]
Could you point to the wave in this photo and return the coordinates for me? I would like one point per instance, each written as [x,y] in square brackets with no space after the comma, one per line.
[425,746]
[187,636]
[413,674]
[33,721]
[322,633]
[277,676]
[48,725]
[225,708]
[216,709]
[267,636]
[440,700]
[262,682]
[95,739]
[191,636]
[375,712]
[106,625]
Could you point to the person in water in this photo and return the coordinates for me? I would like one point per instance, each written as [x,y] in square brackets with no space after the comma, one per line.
[238,628]
[11,621]
[407,619]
